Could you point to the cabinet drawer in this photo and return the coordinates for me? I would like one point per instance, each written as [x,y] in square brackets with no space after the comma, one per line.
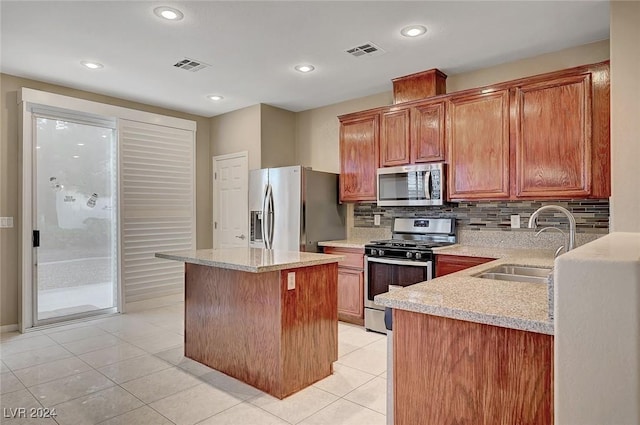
[354,256]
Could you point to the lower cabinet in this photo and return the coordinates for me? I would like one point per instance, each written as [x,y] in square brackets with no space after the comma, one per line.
[450,372]
[350,284]
[446,264]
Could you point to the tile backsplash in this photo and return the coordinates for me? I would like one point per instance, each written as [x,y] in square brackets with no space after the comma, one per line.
[592,215]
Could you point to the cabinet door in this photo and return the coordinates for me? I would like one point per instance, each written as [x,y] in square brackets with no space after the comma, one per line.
[427,133]
[447,264]
[478,145]
[350,294]
[553,138]
[359,157]
[394,138]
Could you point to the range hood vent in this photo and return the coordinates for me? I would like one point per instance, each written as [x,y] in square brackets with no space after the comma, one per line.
[366,49]
[191,65]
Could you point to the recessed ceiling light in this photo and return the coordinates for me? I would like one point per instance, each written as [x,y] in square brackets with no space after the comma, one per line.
[80,144]
[215,97]
[76,156]
[413,30]
[168,13]
[304,68]
[92,65]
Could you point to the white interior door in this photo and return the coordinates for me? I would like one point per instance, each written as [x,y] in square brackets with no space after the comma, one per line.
[231,200]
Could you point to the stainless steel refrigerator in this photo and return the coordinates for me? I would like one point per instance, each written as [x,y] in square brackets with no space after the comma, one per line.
[293,208]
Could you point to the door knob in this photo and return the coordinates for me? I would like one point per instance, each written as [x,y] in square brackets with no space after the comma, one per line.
[243,237]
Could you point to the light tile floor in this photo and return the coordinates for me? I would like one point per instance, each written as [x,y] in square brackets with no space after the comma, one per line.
[130,369]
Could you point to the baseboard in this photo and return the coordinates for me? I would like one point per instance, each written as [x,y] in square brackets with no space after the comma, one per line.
[8,328]
[153,303]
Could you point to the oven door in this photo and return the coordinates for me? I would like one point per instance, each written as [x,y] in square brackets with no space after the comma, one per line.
[385,274]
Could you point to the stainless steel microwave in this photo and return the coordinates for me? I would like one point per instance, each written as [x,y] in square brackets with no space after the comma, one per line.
[411,185]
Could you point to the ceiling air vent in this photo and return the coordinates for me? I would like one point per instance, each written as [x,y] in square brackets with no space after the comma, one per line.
[191,65]
[367,49]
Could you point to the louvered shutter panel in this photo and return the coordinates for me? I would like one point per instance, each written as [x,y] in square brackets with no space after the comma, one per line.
[157,177]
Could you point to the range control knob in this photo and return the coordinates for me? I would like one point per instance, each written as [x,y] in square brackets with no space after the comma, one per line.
[418,255]
[380,252]
[374,252]
[409,254]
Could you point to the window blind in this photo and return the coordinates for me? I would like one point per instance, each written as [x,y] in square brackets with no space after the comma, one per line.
[157,182]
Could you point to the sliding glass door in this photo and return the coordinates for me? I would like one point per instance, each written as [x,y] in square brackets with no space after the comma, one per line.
[75,218]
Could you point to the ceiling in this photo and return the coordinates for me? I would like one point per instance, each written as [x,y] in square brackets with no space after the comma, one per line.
[252,47]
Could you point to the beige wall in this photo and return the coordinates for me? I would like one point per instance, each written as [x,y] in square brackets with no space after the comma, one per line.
[237,131]
[9,145]
[625,116]
[278,144]
[317,129]
[567,58]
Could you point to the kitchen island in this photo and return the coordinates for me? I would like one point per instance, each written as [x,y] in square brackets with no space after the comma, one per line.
[469,350]
[266,317]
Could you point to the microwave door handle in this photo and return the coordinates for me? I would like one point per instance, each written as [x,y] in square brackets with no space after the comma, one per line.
[427,185]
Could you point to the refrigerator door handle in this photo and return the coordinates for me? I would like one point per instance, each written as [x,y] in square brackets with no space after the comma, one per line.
[265,212]
[272,213]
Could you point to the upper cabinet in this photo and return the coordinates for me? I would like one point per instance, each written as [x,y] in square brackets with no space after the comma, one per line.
[395,138]
[359,158]
[541,137]
[561,137]
[553,138]
[412,134]
[427,132]
[478,144]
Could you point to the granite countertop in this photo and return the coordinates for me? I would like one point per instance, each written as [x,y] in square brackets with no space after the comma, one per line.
[346,243]
[254,260]
[492,252]
[461,295]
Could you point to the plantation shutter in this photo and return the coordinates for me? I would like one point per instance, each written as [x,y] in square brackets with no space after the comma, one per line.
[157,177]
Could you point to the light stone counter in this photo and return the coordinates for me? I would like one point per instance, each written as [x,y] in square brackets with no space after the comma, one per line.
[460,295]
[492,252]
[253,260]
[346,243]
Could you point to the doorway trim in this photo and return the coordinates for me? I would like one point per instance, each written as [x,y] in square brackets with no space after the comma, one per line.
[215,189]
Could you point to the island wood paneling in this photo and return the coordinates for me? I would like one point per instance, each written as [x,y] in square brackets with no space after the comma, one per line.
[453,372]
[249,326]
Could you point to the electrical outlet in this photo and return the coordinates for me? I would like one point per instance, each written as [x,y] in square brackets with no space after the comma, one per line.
[291,281]
[6,222]
[515,221]
[376,219]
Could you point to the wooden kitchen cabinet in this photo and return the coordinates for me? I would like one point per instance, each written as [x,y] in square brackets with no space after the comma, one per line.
[427,132]
[359,156]
[395,138]
[561,147]
[447,264]
[412,135]
[350,284]
[478,145]
[449,371]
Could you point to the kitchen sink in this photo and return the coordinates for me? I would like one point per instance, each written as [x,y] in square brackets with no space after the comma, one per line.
[514,273]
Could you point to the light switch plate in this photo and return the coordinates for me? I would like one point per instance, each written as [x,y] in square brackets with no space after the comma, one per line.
[291,280]
[376,219]
[6,222]
[515,221]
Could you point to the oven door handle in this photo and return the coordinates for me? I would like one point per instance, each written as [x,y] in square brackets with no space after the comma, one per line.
[399,262]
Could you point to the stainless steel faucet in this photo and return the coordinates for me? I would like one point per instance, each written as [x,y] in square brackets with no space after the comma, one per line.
[533,222]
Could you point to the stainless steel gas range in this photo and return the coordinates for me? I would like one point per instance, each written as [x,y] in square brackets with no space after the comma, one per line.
[404,260]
